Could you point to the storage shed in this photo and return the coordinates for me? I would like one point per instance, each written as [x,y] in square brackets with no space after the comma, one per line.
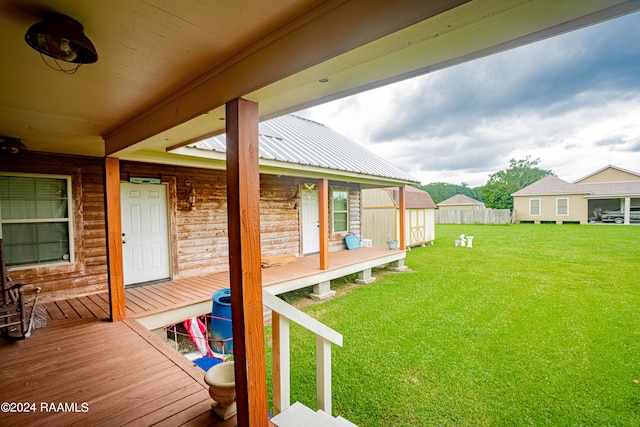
[380,216]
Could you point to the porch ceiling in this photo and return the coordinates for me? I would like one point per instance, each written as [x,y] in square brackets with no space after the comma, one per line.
[166,69]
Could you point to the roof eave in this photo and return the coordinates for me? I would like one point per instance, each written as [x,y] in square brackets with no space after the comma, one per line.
[276,167]
[573,193]
[612,196]
[213,159]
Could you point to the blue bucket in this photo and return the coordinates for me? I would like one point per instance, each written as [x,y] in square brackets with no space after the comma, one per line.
[352,241]
[221,331]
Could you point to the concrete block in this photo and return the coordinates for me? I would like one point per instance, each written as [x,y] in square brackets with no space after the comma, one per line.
[397,265]
[322,291]
[365,277]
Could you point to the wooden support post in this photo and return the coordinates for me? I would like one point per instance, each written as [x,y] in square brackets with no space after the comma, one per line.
[281,363]
[402,198]
[243,210]
[323,207]
[113,224]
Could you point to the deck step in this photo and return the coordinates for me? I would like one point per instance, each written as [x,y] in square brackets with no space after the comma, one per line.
[345,422]
[299,415]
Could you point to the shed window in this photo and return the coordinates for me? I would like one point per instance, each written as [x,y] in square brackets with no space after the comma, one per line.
[34,214]
[340,211]
[562,206]
[534,206]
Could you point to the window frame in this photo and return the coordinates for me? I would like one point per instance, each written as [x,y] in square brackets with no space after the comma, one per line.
[69,220]
[539,207]
[334,211]
[557,206]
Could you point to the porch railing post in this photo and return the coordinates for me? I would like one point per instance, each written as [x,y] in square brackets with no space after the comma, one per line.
[281,363]
[283,314]
[323,374]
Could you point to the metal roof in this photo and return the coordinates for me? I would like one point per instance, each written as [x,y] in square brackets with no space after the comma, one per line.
[295,140]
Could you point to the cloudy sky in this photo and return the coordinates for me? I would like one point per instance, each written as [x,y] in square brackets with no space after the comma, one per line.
[573,101]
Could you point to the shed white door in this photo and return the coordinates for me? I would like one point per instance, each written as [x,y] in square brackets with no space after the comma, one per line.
[310,222]
[145,232]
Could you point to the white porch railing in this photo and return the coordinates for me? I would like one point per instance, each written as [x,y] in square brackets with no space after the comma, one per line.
[283,313]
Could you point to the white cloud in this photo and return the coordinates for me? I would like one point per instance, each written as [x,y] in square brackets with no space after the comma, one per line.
[572,101]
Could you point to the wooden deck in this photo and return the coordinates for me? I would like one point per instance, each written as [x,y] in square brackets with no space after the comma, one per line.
[83,370]
[105,373]
[160,304]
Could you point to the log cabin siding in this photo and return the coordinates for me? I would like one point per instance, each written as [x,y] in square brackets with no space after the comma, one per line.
[279,219]
[198,237]
[355,212]
[88,272]
[198,234]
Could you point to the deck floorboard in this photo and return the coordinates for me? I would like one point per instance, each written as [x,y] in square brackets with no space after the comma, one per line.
[200,289]
[124,374]
[160,297]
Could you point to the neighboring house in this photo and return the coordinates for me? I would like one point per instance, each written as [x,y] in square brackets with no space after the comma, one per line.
[59,241]
[380,216]
[552,199]
[460,202]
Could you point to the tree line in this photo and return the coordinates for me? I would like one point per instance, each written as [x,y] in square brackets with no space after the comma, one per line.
[496,193]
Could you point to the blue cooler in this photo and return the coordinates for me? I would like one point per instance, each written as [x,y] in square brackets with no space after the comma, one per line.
[221,322]
[352,241]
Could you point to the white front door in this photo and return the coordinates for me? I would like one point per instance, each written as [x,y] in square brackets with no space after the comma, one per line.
[310,222]
[145,232]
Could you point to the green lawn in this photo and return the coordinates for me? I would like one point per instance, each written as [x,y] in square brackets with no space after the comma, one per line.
[535,325]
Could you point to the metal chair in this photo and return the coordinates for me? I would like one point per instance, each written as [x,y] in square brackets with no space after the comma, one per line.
[13,316]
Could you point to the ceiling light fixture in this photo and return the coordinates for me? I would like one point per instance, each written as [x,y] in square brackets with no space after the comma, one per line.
[12,146]
[63,39]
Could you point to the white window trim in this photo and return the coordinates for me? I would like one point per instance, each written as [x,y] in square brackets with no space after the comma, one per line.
[557,210]
[68,220]
[333,211]
[539,207]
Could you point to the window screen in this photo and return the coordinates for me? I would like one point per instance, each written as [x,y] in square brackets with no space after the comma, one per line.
[562,206]
[534,206]
[34,213]
[340,211]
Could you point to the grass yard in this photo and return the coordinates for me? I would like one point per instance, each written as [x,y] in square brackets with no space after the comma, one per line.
[536,325]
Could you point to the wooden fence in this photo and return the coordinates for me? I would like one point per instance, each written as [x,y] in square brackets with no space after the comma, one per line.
[473,216]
